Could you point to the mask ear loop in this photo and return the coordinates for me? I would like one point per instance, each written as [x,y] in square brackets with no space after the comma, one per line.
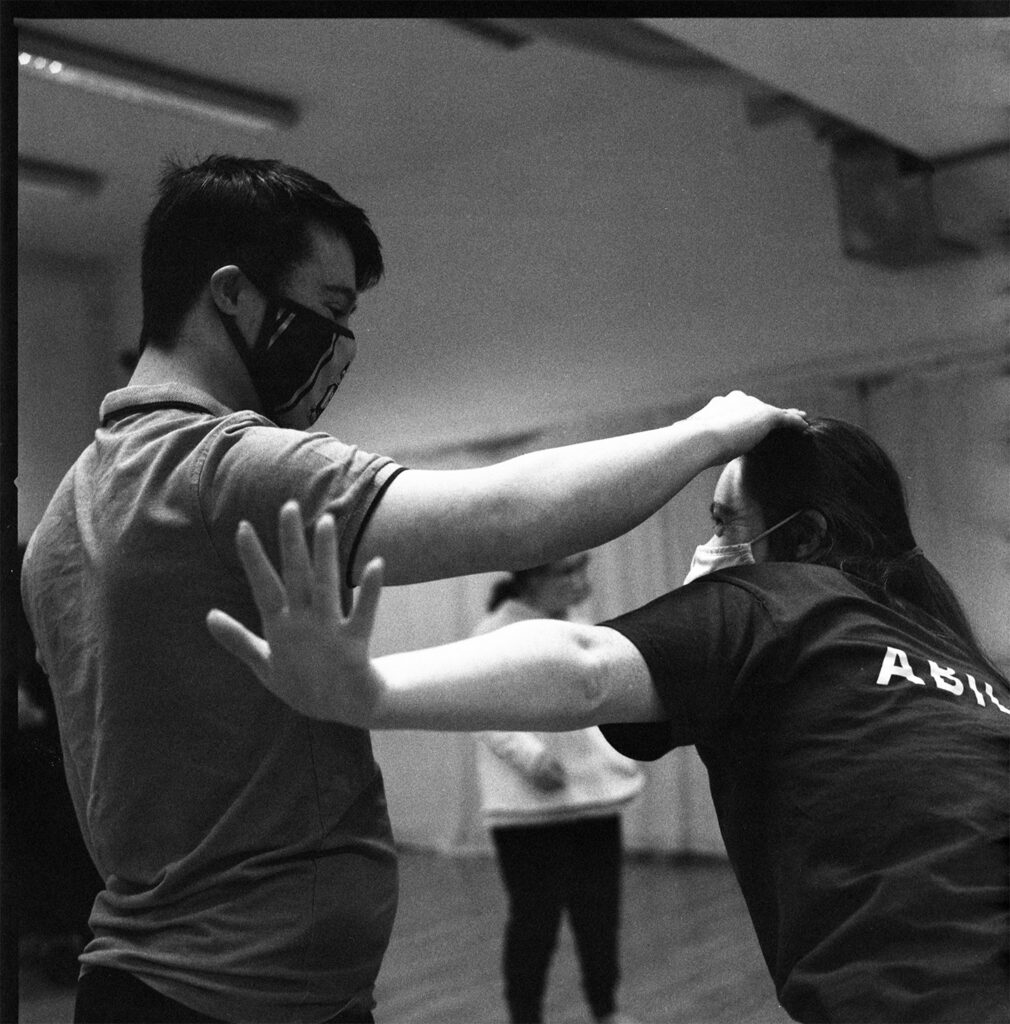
[238,341]
[772,529]
[245,351]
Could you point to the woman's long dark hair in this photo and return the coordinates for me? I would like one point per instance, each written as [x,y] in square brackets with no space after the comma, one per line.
[838,470]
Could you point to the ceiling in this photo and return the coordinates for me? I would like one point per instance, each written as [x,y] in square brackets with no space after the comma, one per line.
[380,98]
[939,87]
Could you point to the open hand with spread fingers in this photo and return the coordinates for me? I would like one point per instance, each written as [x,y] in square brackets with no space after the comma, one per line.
[311,655]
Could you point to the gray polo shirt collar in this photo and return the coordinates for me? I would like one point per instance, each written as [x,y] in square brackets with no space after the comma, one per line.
[159,396]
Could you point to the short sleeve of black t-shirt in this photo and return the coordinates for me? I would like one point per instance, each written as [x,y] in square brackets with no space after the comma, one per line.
[704,645]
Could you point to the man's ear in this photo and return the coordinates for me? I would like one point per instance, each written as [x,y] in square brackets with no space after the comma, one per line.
[815,535]
[226,285]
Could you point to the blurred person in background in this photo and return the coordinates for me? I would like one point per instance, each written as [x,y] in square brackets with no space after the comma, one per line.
[552,801]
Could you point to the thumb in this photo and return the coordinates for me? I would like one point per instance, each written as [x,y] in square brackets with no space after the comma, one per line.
[253,651]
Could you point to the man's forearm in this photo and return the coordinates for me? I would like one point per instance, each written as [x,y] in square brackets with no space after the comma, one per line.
[578,497]
[533,508]
[538,507]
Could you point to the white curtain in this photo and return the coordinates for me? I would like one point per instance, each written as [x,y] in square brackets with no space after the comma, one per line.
[947,429]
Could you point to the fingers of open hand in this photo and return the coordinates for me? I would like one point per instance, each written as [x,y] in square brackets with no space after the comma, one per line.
[268,591]
[296,566]
[326,565]
[367,600]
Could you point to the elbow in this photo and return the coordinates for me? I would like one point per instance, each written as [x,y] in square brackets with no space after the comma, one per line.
[593,680]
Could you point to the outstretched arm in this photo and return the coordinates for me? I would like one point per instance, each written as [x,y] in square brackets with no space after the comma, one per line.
[540,674]
[548,504]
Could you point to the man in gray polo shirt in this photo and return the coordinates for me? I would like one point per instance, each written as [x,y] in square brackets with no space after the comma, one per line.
[249,867]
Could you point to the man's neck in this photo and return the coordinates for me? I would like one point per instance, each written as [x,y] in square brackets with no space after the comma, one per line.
[208,363]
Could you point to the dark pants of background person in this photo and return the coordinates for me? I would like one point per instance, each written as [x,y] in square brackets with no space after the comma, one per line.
[109,996]
[546,869]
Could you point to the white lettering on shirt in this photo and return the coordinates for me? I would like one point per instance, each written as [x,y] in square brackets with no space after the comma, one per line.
[992,697]
[945,678]
[896,663]
[975,690]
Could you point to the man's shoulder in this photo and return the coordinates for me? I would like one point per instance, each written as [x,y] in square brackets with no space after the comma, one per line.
[245,441]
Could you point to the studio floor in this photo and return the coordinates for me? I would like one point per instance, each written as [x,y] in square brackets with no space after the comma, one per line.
[688,951]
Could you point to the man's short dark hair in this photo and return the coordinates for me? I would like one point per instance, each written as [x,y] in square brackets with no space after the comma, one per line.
[254,214]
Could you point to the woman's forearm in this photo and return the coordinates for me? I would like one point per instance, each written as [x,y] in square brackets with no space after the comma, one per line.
[314,655]
[536,675]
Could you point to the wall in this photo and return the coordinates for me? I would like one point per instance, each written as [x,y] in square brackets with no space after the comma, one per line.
[65,366]
[657,251]
[648,251]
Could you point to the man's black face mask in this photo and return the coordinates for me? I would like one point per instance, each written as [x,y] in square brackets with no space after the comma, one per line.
[290,362]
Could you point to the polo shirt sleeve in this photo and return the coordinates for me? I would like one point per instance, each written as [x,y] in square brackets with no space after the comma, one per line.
[250,470]
[704,644]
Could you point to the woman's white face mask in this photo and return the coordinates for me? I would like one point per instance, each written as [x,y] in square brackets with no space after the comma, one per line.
[709,557]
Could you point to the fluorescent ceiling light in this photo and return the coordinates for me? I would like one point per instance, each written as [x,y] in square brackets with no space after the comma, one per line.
[59,179]
[54,59]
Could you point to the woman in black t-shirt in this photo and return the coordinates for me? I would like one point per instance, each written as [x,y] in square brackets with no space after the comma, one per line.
[856,736]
